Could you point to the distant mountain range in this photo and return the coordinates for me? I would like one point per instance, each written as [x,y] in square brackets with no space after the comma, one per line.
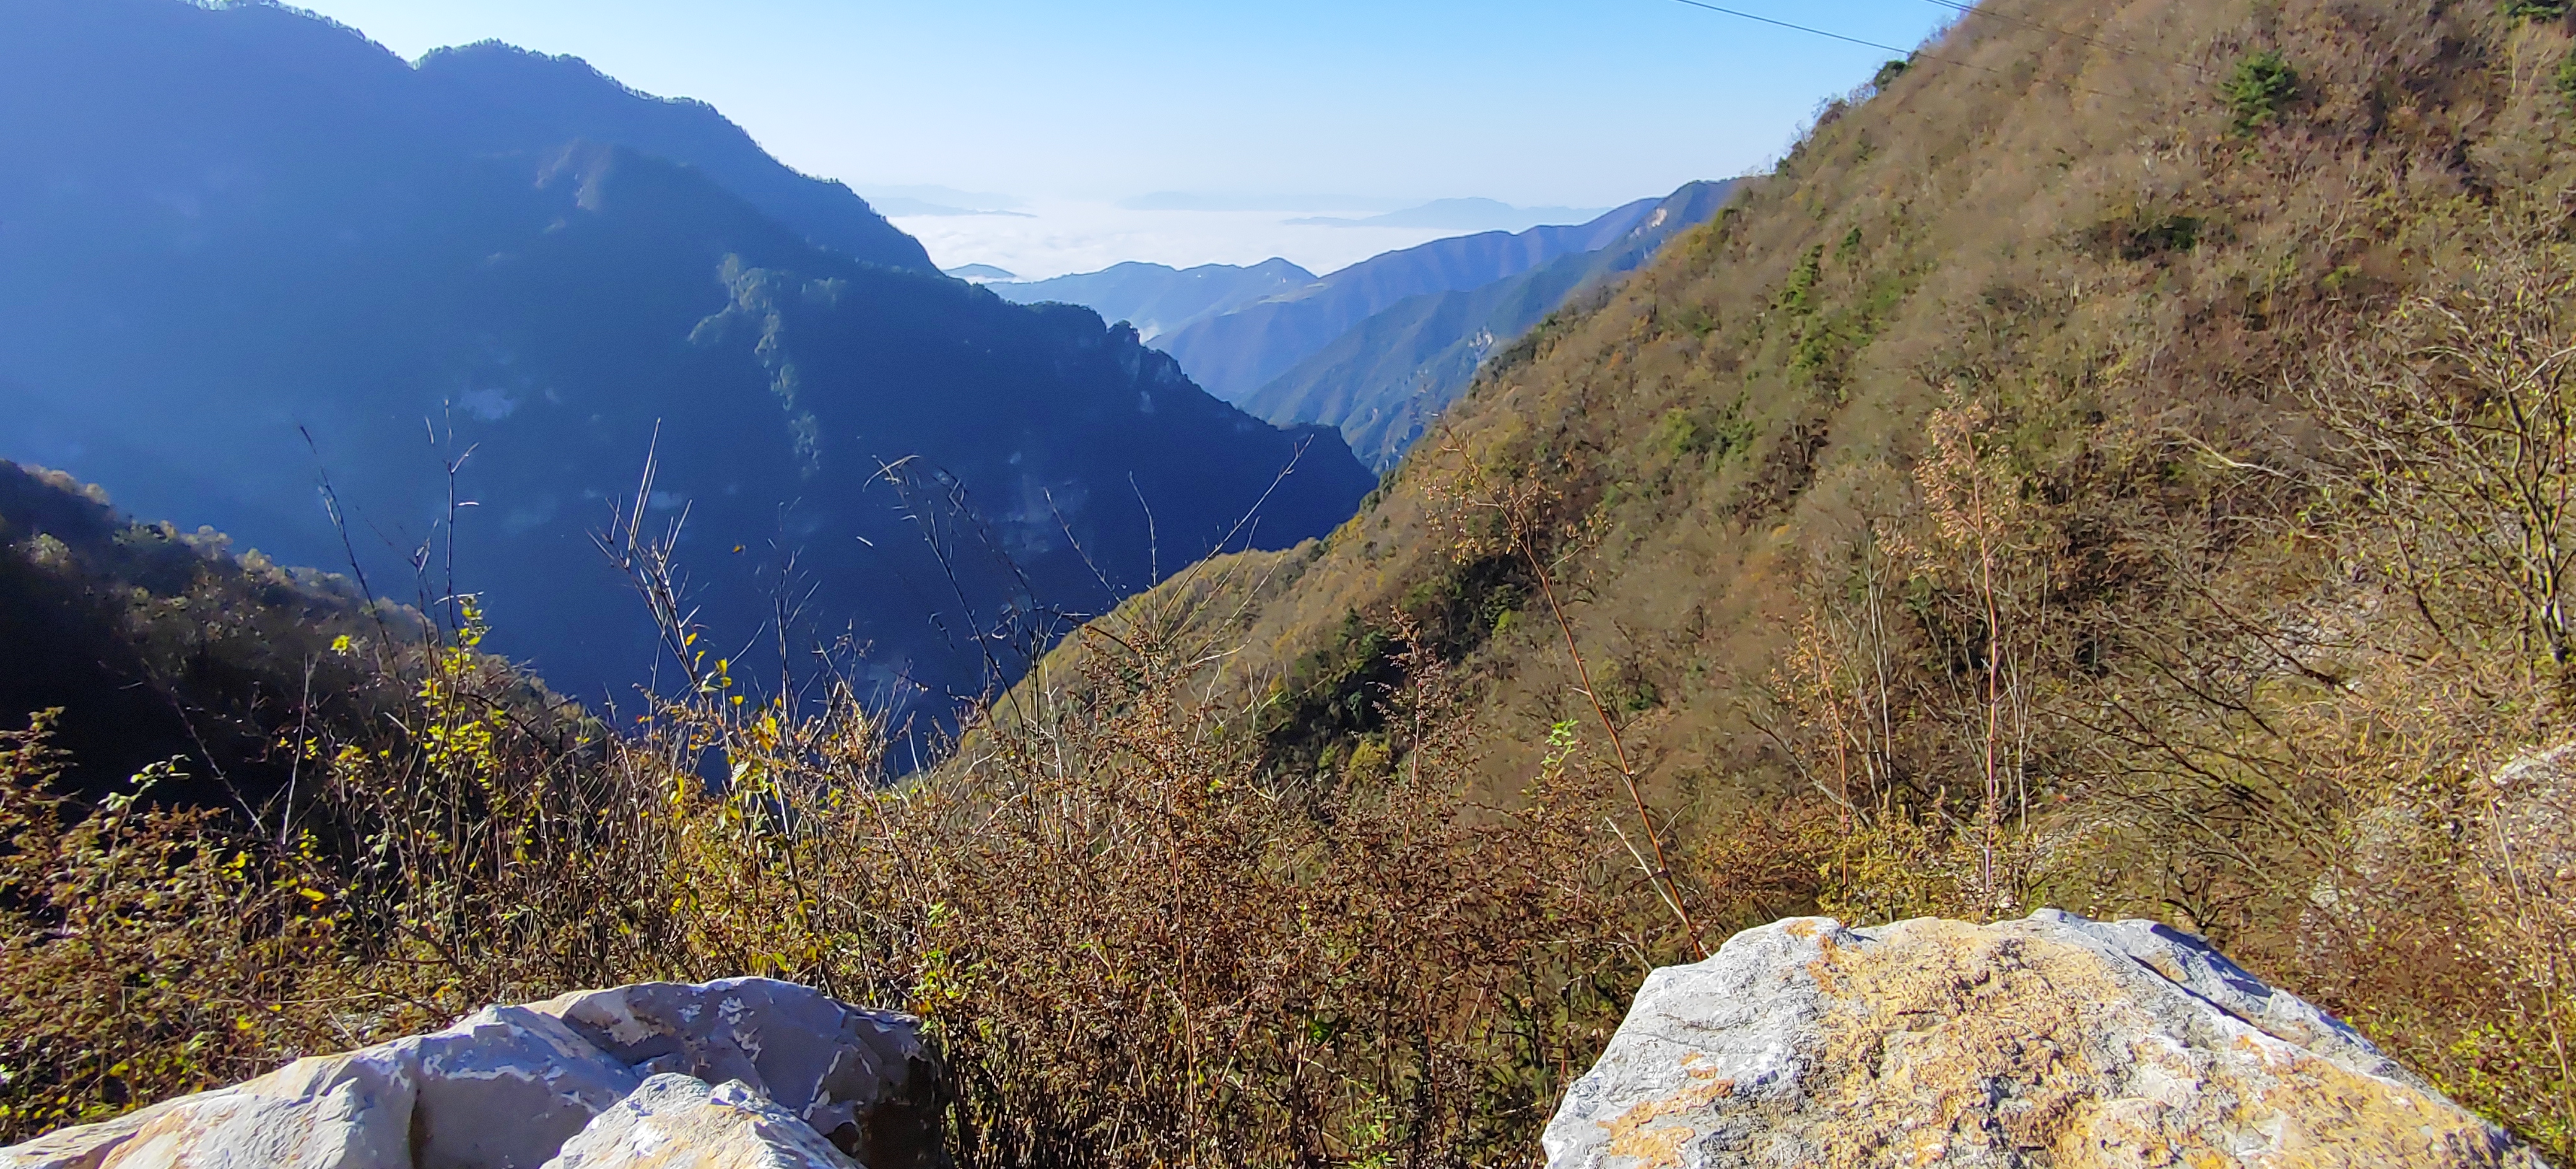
[1462,215]
[1236,354]
[1383,380]
[1378,349]
[226,229]
[1158,299]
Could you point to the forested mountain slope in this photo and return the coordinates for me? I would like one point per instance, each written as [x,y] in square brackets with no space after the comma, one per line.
[1388,377]
[1238,352]
[509,99]
[242,250]
[2112,464]
[159,646]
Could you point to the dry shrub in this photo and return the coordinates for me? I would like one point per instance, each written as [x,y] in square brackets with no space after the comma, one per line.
[2290,731]
[1134,947]
[1147,953]
[142,953]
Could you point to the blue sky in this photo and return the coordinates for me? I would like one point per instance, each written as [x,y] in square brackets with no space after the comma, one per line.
[1570,102]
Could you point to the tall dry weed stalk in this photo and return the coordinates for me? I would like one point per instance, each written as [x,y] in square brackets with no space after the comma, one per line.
[1920,657]
[1481,511]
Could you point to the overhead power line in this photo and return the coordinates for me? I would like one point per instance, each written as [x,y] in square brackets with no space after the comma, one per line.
[1991,13]
[1911,55]
[1798,27]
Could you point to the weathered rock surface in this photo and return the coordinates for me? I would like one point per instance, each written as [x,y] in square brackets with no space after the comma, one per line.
[861,1078]
[677,1122]
[507,1088]
[2530,841]
[2050,1041]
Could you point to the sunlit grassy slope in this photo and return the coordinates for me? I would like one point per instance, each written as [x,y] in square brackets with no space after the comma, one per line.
[1981,502]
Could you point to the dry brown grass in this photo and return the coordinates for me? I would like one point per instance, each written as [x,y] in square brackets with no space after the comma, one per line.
[1133,945]
[2021,497]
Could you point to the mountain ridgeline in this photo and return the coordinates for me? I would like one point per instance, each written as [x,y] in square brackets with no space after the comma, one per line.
[1383,381]
[245,254]
[1236,354]
[510,99]
[1378,349]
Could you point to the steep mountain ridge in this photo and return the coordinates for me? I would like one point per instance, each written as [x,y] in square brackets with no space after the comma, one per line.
[2033,493]
[1237,353]
[532,101]
[229,266]
[1383,381]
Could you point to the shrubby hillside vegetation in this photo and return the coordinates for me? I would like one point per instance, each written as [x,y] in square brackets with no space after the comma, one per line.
[1387,379]
[2116,461]
[158,645]
[2113,463]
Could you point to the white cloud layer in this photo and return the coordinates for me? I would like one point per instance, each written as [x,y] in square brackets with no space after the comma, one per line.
[1056,237]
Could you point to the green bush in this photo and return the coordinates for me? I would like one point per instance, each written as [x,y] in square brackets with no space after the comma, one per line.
[2260,89]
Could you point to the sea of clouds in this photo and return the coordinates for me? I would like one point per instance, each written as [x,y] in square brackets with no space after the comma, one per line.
[1041,238]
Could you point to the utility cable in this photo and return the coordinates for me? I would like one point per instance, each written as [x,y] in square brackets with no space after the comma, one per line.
[1990,13]
[1910,55]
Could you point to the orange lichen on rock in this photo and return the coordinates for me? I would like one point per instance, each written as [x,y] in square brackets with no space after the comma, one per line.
[2050,1041]
[1653,1131]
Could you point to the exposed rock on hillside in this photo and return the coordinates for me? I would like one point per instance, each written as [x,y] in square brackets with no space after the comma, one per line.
[2048,1041]
[2532,837]
[595,1079]
[732,1126]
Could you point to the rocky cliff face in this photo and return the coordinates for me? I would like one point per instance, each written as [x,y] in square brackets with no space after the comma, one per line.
[742,1072]
[2050,1041]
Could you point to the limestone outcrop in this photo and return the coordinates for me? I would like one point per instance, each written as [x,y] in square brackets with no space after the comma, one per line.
[742,1072]
[678,1122]
[2050,1041]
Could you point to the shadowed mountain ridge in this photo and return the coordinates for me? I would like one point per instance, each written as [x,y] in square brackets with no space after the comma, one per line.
[231,229]
[1386,379]
[1235,354]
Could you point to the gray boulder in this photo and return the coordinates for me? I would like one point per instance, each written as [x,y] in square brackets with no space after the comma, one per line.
[862,1078]
[678,1122]
[2051,1041]
[507,1087]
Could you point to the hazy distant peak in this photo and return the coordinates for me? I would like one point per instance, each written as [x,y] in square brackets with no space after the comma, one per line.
[517,99]
[982,272]
[1235,353]
[1465,215]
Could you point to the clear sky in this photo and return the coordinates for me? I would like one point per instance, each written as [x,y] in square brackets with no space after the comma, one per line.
[1581,103]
